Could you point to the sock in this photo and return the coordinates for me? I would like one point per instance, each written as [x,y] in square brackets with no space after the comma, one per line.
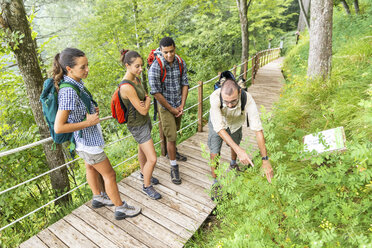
[232,162]
[173,162]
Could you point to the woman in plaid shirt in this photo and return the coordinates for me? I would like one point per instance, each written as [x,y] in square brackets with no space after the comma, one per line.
[71,65]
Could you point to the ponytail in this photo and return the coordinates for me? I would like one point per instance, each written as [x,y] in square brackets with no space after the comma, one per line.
[57,71]
[128,56]
[61,60]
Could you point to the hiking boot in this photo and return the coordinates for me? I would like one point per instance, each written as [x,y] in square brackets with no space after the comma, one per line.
[154,180]
[216,192]
[101,201]
[151,192]
[180,157]
[234,167]
[125,211]
[175,174]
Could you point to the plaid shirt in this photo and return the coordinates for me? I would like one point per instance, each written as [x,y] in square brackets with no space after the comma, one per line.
[171,87]
[68,99]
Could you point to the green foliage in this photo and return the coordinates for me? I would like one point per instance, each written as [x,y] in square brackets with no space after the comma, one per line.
[319,202]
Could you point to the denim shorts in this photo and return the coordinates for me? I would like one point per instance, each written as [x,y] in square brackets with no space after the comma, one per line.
[92,159]
[142,133]
[215,141]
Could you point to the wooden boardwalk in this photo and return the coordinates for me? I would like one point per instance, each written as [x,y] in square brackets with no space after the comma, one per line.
[170,221]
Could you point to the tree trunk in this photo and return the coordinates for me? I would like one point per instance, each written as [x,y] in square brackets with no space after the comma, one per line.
[304,13]
[320,52]
[356,7]
[13,19]
[243,11]
[346,6]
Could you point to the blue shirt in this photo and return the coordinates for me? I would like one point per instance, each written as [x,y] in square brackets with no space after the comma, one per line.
[171,88]
[68,99]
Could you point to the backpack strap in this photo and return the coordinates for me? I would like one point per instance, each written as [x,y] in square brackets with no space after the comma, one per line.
[244,102]
[85,100]
[180,64]
[120,99]
[163,71]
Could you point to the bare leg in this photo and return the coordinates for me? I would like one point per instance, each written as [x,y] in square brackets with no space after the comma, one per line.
[93,179]
[171,147]
[141,158]
[101,183]
[109,176]
[148,151]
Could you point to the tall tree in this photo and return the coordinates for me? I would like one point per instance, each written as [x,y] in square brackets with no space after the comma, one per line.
[14,22]
[304,13]
[320,51]
[243,7]
[356,7]
[346,7]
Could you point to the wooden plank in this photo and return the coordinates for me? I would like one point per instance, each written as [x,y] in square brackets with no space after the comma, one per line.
[129,228]
[203,180]
[186,188]
[50,239]
[165,190]
[33,242]
[70,236]
[191,163]
[106,227]
[172,202]
[195,153]
[159,207]
[89,231]
[150,232]
[160,219]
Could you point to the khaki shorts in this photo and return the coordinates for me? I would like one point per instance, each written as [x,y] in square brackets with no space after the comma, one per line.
[92,159]
[170,124]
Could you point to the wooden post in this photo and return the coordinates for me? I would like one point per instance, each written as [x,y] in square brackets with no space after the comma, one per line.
[253,68]
[234,71]
[266,57]
[200,106]
[245,69]
[163,144]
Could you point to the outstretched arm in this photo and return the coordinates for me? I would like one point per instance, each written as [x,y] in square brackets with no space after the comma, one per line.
[242,155]
[265,163]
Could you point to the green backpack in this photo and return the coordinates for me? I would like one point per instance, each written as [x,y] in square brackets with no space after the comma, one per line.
[49,101]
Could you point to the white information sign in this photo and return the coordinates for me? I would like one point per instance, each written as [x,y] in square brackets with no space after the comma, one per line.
[327,140]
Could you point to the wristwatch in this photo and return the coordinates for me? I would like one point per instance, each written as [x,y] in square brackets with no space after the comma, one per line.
[265,158]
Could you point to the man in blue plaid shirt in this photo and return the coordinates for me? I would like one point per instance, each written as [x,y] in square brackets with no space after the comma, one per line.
[171,94]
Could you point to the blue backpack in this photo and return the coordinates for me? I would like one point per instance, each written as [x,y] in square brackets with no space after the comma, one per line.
[49,101]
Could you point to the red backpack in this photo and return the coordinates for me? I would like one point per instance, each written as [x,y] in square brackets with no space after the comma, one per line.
[118,109]
[156,54]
